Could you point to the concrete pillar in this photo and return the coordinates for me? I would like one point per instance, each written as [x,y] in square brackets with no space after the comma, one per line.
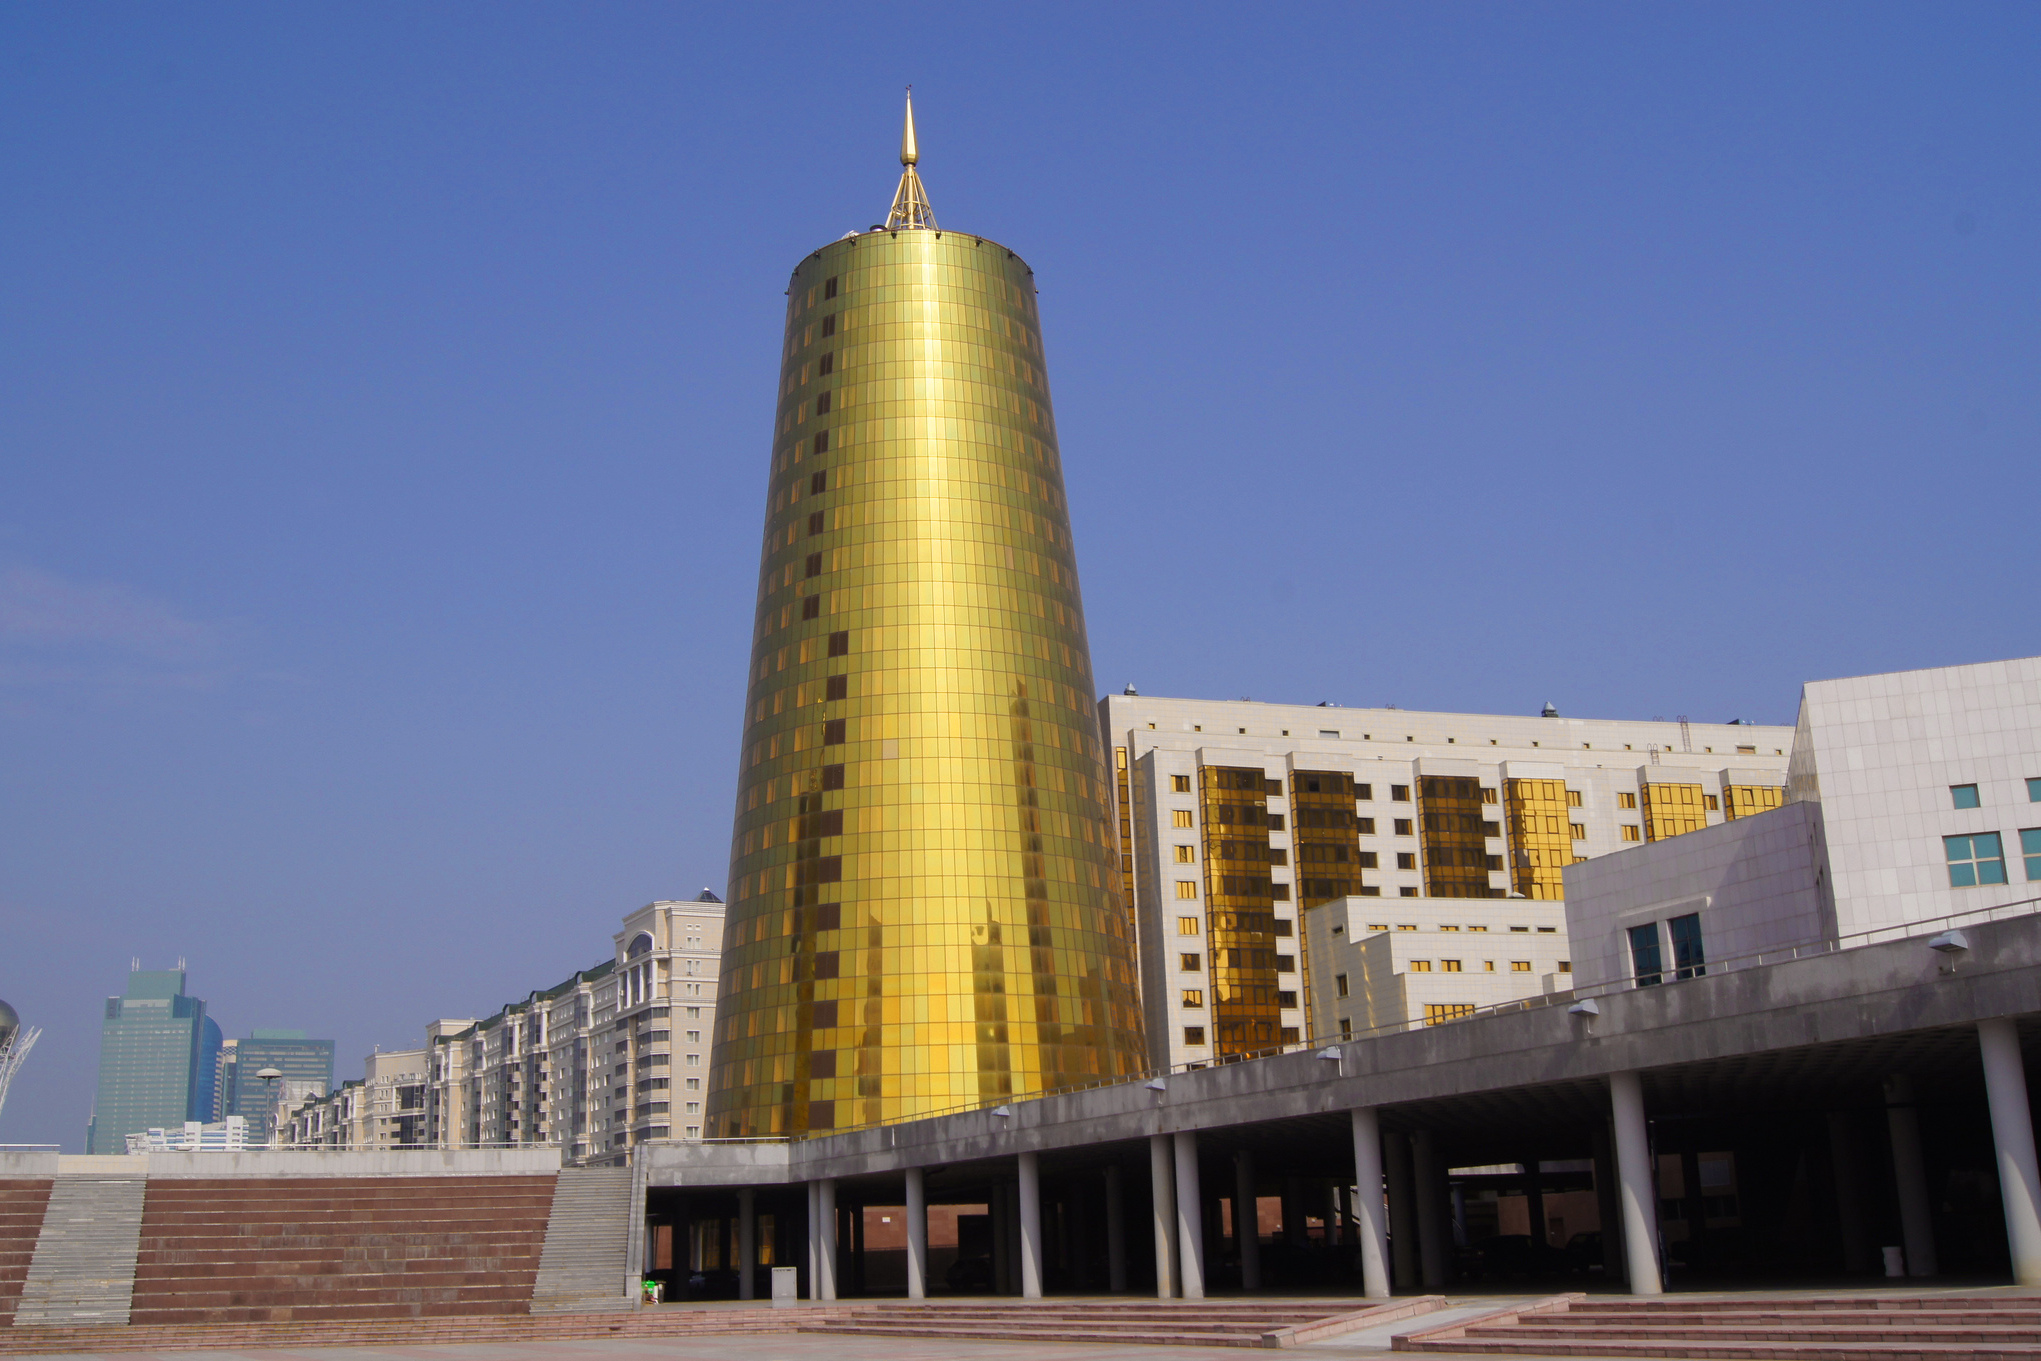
[1434,1261]
[1162,1197]
[1002,1241]
[1247,1220]
[1116,1233]
[1013,1239]
[1534,1203]
[1030,1226]
[1402,1211]
[1916,1211]
[856,1215]
[1368,1208]
[917,1235]
[1858,1250]
[1695,1210]
[825,1250]
[747,1241]
[1190,1218]
[2012,1134]
[1634,1184]
[814,1237]
[1608,1203]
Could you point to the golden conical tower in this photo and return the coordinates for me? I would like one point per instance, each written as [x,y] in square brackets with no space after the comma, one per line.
[924,909]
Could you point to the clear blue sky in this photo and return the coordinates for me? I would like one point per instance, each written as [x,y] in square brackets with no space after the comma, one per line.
[385,394]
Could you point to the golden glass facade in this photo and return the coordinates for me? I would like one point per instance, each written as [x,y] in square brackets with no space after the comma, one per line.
[1240,908]
[1748,800]
[1324,836]
[925,887]
[1540,837]
[1672,809]
[1455,824]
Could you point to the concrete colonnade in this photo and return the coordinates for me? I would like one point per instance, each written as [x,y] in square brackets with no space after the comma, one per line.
[1398,1218]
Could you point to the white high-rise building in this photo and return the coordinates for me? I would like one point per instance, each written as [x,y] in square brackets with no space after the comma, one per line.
[1239,819]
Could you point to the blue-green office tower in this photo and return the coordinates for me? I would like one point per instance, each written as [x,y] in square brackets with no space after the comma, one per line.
[157,1053]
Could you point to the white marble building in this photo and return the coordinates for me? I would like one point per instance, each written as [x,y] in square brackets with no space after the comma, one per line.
[1915,801]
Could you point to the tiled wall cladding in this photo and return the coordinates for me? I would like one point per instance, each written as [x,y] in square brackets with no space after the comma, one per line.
[256,1250]
[22,1202]
[924,891]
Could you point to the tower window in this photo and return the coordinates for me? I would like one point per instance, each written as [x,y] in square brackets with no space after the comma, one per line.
[838,688]
[822,442]
[811,608]
[815,519]
[839,644]
[832,777]
[814,565]
[826,364]
[829,288]
[819,482]
[832,732]
[822,404]
[829,324]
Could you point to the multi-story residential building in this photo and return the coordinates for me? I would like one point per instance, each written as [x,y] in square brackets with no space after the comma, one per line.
[158,1051]
[1916,798]
[1236,818]
[615,1055]
[655,1021]
[384,1108]
[446,1082]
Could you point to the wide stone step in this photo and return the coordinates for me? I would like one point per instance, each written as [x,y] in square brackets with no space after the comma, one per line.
[1721,1351]
[1805,1332]
[1839,1318]
[1017,1333]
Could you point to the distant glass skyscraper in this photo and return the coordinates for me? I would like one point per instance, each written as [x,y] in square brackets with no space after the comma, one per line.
[925,906]
[157,1051]
[306,1065]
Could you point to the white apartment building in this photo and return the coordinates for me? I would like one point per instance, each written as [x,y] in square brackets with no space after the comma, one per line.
[615,1055]
[1238,817]
[384,1108]
[1915,799]
[1378,962]
[653,1022]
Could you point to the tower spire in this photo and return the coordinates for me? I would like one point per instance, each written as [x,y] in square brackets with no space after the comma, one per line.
[910,201]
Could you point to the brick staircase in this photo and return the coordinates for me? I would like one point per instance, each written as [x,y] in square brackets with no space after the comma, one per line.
[21,1220]
[1268,1322]
[666,1321]
[1838,1328]
[329,1250]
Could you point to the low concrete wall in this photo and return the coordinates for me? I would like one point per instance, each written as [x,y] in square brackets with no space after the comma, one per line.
[18,1162]
[408,1162]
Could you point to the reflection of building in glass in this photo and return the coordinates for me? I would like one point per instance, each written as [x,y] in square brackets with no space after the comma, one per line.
[1294,807]
[924,910]
[157,1055]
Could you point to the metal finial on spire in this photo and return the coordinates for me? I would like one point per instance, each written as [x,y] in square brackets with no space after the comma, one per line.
[910,201]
